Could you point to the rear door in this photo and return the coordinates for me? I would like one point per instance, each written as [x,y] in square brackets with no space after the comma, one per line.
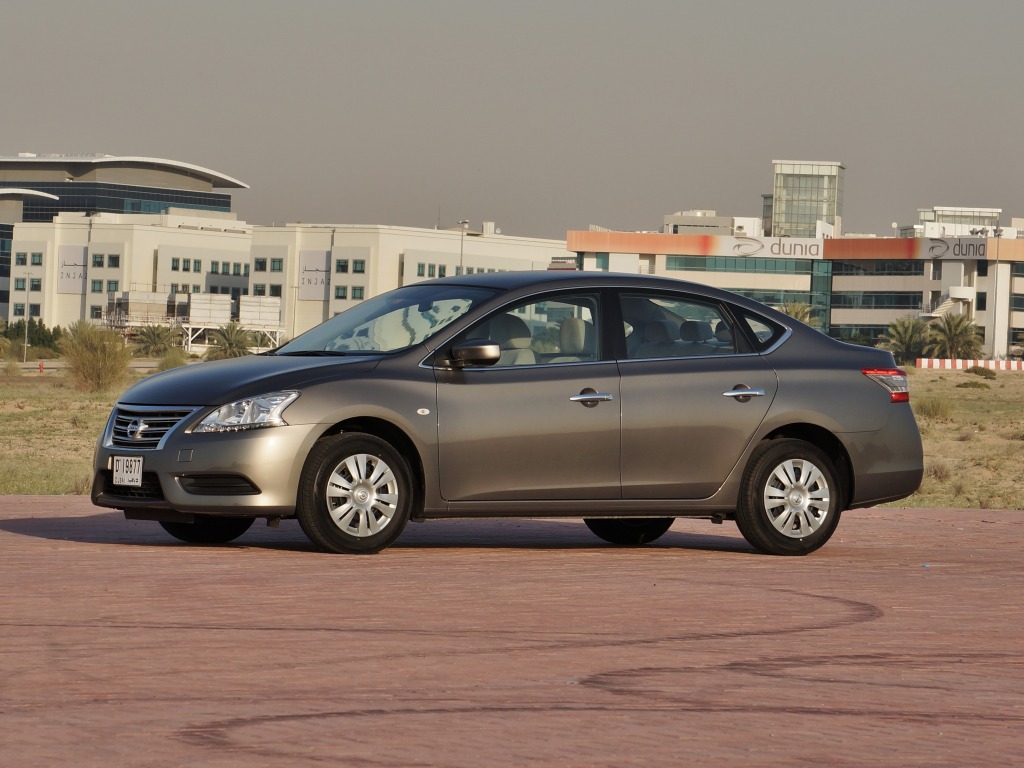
[686,417]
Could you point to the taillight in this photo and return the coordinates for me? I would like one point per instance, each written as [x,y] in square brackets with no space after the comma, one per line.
[894,380]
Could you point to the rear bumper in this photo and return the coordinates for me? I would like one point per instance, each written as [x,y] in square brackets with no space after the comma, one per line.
[888,464]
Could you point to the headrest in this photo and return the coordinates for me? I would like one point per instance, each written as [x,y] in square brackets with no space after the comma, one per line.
[657,331]
[573,336]
[695,330]
[723,333]
[510,332]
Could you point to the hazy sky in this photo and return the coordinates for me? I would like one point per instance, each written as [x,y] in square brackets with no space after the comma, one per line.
[542,115]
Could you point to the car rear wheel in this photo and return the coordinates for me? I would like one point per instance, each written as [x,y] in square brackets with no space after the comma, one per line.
[355,494]
[630,532]
[209,529]
[790,498]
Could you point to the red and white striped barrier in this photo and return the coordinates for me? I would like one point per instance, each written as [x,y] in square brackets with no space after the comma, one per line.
[963,365]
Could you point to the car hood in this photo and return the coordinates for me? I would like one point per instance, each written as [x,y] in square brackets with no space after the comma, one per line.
[223,381]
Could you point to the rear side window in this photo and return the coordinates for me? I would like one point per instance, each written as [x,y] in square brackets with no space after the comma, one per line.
[764,333]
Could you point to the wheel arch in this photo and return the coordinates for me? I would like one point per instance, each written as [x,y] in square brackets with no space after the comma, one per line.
[825,441]
[398,439]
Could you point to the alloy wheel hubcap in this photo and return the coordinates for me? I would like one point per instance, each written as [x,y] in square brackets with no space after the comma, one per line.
[362,495]
[797,498]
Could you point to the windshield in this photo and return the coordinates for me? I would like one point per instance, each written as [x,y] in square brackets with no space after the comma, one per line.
[390,322]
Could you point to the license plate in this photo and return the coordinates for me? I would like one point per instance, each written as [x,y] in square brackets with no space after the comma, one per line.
[128,470]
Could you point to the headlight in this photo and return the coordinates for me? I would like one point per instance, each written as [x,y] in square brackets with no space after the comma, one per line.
[251,413]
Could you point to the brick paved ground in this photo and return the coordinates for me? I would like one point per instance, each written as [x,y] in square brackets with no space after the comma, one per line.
[510,643]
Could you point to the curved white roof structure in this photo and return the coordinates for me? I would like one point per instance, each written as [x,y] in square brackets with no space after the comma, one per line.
[216,179]
[18,192]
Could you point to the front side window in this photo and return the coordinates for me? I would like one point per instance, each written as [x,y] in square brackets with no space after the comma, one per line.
[563,328]
[671,325]
[391,321]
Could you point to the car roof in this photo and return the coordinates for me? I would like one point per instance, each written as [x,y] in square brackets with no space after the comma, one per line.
[539,279]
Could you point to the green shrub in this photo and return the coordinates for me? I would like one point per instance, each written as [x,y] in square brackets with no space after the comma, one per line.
[985,373]
[973,385]
[97,358]
[933,407]
[174,357]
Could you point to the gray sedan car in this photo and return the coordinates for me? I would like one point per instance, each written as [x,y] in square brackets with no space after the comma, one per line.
[626,400]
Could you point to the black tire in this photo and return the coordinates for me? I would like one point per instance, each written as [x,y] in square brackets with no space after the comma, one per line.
[629,532]
[355,495]
[209,529]
[790,498]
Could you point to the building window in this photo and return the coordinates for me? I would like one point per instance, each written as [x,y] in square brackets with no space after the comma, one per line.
[341,265]
[95,312]
[114,260]
[357,292]
[19,283]
[196,289]
[458,271]
[277,265]
[358,266]
[34,310]
[341,291]
[35,284]
[236,269]
[19,310]
[936,270]
[259,265]
[97,259]
[982,301]
[174,287]
[214,267]
[442,271]
[431,271]
[37,261]
[225,268]
[111,286]
[186,266]
[259,289]
[21,260]
[421,270]
[184,288]
[175,265]
[97,286]
[983,269]
[275,290]
[197,265]
[245,270]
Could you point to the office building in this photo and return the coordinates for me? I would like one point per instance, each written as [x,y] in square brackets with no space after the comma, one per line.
[806,199]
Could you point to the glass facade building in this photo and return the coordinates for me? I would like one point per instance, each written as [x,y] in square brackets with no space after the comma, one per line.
[804,193]
[102,197]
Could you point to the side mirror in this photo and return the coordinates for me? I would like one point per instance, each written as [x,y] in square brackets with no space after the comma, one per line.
[475,352]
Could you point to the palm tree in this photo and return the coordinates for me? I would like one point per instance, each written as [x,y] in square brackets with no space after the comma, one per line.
[155,340]
[905,338]
[231,340]
[956,337]
[801,312]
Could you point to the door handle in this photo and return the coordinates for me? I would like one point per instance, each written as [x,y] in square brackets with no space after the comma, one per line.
[742,393]
[589,397]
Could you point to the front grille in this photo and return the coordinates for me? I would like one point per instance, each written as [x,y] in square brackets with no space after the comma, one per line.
[150,488]
[143,428]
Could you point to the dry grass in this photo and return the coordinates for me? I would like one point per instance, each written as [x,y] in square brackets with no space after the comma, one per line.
[973,439]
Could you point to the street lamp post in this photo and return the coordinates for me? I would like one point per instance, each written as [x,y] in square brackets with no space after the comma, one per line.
[464,223]
[24,346]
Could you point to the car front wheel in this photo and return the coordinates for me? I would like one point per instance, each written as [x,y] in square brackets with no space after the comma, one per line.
[630,532]
[790,498]
[356,493]
[209,529]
